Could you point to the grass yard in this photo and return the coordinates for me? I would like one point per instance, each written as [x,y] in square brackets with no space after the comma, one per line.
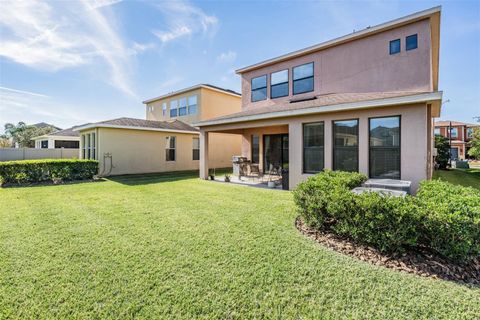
[165,247]
[464,177]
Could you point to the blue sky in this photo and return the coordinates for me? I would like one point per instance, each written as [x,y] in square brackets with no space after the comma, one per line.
[72,62]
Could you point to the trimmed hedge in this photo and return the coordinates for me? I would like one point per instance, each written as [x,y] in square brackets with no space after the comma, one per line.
[29,171]
[442,217]
[451,213]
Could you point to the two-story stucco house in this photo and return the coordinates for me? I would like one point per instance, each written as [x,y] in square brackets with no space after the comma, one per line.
[362,102]
[459,134]
[164,141]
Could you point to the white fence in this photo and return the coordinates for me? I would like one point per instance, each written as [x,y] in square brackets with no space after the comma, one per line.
[9,154]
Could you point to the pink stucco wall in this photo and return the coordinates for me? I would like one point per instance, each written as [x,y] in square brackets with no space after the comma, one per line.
[363,65]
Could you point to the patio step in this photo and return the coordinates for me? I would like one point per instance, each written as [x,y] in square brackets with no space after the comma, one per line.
[389,184]
[394,193]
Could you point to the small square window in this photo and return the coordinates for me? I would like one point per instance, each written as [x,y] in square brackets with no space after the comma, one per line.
[395,46]
[411,42]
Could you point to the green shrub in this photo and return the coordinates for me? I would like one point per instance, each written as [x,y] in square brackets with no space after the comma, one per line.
[317,192]
[443,217]
[451,224]
[27,171]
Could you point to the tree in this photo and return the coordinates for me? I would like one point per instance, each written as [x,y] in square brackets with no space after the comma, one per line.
[23,134]
[5,142]
[443,151]
[475,144]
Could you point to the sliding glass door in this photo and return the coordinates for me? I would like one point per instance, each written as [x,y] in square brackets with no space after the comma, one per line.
[275,151]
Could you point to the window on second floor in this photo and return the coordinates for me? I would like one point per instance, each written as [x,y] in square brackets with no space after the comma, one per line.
[279,84]
[173,108]
[192,105]
[469,133]
[259,88]
[182,110]
[395,46]
[411,42]
[164,109]
[454,132]
[437,131]
[303,78]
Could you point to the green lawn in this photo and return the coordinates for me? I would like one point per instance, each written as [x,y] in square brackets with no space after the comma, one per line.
[464,177]
[164,247]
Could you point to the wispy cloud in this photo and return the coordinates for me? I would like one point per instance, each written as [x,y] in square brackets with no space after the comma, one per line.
[30,107]
[55,35]
[184,19]
[227,57]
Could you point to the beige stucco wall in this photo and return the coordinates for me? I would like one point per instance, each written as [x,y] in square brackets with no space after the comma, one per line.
[142,151]
[414,139]
[363,65]
[210,104]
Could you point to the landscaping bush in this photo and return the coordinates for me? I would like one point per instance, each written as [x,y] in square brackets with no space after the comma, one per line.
[443,217]
[451,221]
[28,171]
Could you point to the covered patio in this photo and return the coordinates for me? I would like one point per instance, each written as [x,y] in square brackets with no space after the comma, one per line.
[264,159]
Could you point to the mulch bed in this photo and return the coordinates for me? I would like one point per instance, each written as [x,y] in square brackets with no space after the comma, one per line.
[422,263]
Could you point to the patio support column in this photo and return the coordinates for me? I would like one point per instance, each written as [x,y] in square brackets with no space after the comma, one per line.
[203,154]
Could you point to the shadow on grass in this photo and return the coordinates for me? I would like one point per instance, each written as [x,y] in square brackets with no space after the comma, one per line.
[49,184]
[152,178]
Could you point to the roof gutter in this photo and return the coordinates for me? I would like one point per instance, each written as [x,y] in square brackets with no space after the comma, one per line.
[377,103]
[113,126]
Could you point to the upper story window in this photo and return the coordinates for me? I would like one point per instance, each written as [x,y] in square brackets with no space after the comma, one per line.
[303,78]
[411,42]
[454,132]
[437,131]
[259,88]
[173,108]
[469,133]
[192,105]
[164,109]
[182,111]
[279,84]
[395,46]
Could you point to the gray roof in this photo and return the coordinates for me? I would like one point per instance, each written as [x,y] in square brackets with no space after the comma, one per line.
[69,132]
[140,123]
[45,125]
[316,101]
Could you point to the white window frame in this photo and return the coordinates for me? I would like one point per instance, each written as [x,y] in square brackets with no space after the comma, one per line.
[191,105]
[168,147]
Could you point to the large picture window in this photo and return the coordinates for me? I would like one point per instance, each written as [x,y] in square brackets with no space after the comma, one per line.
[279,84]
[259,88]
[303,78]
[196,149]
[313,147]
[255,148]
[170,148]
[345,145]
[384,148]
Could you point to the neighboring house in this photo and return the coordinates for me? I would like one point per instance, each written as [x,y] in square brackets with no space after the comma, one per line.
[67,138]
[165,141]
[362,102]
[459,133]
